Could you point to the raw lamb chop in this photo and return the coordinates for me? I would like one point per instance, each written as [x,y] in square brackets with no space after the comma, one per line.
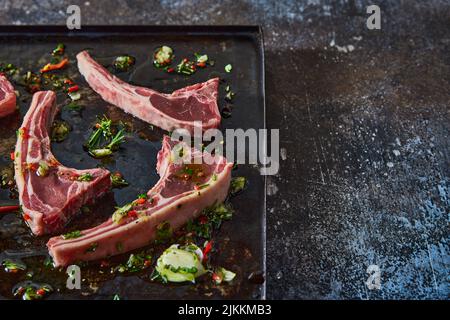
[181,194]
[7,97]
[184,108]
[50,193]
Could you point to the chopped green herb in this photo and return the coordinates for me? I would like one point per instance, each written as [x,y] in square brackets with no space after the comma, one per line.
[121,212]
[100,153]
[163,232]
[60,131]
[163,56]
[116,297]
[210,220]
[13,266]
[32,291]
[135,263]
[74,106]
[104,135]
[48,262]
[237,184]
[186,67]
[85,177]
[59,50]
[118,181]
[123,63]
[72,235]
[92,247]
[201,58]
[228,68]
[229,96]
[43,168]
[8,68]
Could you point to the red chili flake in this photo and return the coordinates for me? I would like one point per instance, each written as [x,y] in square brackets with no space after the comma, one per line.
[147,263]
[73,177]
[40,292]
[132,214]
[141,201]
[68,81]
[207,250]
[201,64]
[26,217]
[170,70]
[12,156]
[203,219]
[97,125]
[197,187]
[73,88]
[118,174]
[185,60]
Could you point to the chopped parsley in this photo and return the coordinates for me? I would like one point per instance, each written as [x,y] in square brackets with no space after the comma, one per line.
[237,184]
[72,235]
[86,177]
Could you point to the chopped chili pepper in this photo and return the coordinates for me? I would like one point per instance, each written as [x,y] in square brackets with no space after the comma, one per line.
[97,125]
[132,214]
[26,217]
[170,70]
[50,67]
[8,209]
[207,250]
[141,201]
[201,64]
[197,187]
[147,263]
[40,292]
[12,156]
[73,88]
[68,81]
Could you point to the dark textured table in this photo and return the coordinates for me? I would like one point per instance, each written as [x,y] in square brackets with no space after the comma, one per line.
[364,123]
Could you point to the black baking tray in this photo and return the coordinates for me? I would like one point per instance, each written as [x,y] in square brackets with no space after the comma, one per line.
[241,240]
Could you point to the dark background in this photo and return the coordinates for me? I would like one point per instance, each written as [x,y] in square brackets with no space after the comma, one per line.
[364,129]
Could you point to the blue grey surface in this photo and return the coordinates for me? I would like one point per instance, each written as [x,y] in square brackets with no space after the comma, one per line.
[364,123]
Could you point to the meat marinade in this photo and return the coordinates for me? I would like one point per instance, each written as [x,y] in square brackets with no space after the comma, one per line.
[175,199]
[185,108]
[50,193]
